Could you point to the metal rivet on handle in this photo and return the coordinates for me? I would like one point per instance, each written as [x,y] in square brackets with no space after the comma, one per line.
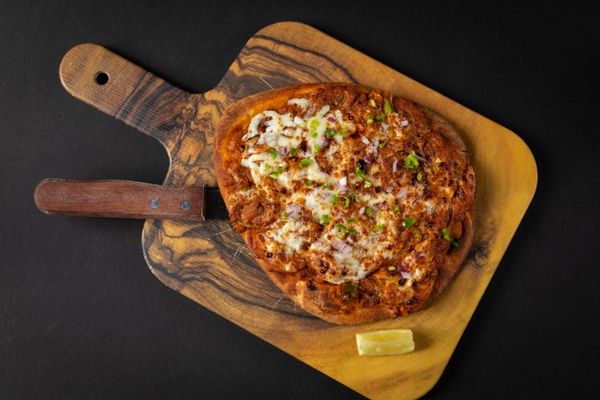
[154,203]
[185,205]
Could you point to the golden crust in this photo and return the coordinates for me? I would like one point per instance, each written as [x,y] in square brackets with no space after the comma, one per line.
[318,297]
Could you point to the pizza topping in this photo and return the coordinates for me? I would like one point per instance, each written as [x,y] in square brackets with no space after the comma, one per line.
[388,107]
[446,233]
[408,222]
[411,161]
[335,171]
[405,274]
[275,174]
[302,103]
[351,199]
[305,162]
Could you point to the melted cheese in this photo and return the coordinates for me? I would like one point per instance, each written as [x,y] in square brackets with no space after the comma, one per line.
[318,201]
[287,234]
[354,246]
[302,103]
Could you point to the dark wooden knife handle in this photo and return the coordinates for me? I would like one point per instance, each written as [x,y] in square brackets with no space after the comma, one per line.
[120,199]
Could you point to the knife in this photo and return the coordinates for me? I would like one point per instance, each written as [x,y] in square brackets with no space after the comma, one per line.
[126,199]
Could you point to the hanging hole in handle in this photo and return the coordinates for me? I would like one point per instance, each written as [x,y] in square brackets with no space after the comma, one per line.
[101,78]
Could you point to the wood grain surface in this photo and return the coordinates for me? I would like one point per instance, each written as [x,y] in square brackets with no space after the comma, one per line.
[119,199]
[209,263]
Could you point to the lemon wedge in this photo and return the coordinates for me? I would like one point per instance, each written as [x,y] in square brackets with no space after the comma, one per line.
[384,343]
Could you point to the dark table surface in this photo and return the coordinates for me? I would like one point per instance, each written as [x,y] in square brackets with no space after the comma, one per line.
[82,317]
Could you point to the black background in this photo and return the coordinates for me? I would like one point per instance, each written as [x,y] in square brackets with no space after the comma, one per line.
[82,317]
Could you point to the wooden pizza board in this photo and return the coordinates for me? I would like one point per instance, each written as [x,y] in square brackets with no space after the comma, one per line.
[209,262]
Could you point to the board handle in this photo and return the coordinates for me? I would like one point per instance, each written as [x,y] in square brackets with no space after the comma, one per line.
[121,89]
[119,199]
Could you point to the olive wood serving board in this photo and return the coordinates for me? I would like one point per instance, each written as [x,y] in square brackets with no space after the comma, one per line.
[209,263]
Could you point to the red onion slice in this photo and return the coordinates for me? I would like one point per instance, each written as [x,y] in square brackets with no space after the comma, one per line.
[406,275]
[294,210]
[283,151]
[341,246]
[420,158]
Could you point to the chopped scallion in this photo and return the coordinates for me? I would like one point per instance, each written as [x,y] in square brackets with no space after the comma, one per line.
[387,107]
[411,161]
[305,162]
[275,174]
[314,124]
[360,174]
[344,230]
[446,233]
[330,133]
[335,199]
[408,222]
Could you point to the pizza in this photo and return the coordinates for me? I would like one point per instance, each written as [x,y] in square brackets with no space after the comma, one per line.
[358,204]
